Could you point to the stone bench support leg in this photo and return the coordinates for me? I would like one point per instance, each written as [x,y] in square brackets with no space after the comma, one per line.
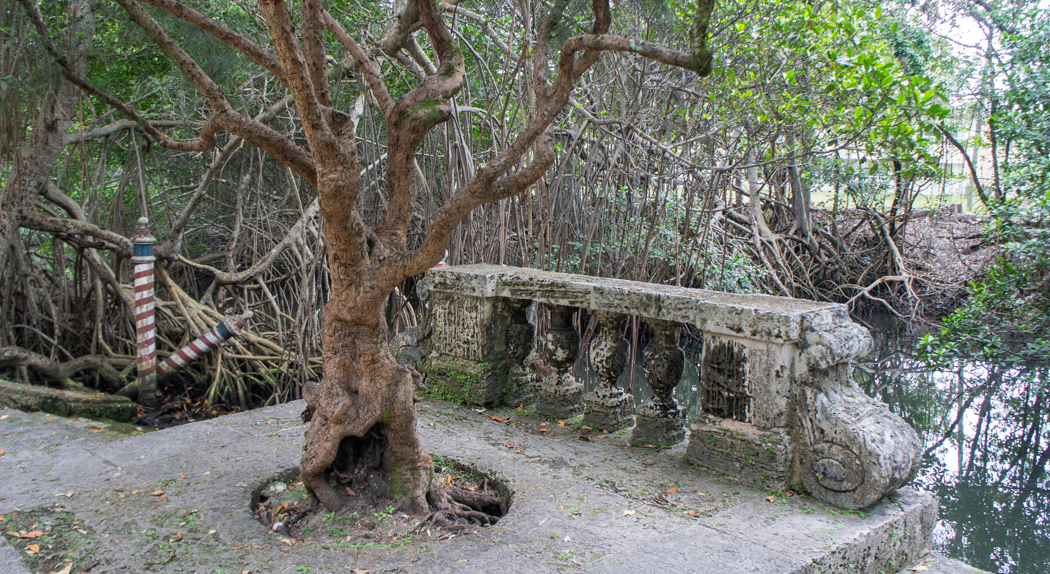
[854,451]
[466,356]
[743,430]
[660,421]
[520,389]
[608,407]
[559,395]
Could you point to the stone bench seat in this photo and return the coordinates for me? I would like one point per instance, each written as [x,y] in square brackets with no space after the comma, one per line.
[778,405]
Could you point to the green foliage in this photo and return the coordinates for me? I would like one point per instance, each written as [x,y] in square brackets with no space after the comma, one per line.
[1007,318]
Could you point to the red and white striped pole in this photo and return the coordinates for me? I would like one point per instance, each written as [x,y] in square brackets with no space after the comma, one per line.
[231,325]
[145,331]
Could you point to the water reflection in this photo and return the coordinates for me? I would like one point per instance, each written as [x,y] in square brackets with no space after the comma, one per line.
[985,433]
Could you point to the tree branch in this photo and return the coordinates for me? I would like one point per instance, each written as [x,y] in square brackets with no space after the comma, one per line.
[207,135]
[264,59]
[68,227]
[369,68]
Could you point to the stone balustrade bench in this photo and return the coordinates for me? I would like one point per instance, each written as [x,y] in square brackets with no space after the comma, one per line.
[778,405]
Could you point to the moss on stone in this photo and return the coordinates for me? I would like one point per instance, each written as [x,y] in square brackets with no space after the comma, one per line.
[463,380]
[66,403]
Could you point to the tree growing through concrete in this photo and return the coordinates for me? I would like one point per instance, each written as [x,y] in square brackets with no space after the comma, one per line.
[364,403]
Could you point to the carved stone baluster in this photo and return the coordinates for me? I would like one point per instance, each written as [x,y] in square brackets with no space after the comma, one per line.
[609,408]
[660,421]
[520,382]
[559,395]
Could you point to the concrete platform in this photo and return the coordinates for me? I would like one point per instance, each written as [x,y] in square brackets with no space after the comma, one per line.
[598,506]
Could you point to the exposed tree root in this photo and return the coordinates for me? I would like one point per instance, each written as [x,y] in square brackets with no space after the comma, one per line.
[11,356]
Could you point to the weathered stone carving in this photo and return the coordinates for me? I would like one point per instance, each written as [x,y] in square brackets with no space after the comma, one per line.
[856,451]
[779,406]
[559,395]
[660,421]
[608,407]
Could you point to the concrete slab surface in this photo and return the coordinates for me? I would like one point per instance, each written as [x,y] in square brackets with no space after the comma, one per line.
[580,506]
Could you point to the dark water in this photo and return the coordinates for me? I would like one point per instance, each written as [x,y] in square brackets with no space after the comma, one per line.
[986,433]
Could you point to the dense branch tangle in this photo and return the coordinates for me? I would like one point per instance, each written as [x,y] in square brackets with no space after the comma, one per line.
[363,392]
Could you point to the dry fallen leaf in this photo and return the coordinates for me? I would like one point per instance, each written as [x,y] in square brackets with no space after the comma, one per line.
[156,493]
[4,417]
[509,445]
[289,541]
[585,427]
[3,452]
[95,430]
[32,534]
[692,514]
[648,463]
[585,438]
[160,498]
[919,568]
[702,494]
[182,475]
[33,548]
[65,570]
[789,493]
[65,494]
[602,436]
[628,512]
[672,490]
[498,419]
[561,423]
[770,498]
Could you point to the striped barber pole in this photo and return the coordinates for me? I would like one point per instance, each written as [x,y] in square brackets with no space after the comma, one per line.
[231,325]
[145,332]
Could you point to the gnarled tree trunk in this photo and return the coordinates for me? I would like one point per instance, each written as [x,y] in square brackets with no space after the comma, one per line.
[365,393]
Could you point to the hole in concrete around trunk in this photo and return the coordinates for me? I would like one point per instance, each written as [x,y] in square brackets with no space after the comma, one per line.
[464,498]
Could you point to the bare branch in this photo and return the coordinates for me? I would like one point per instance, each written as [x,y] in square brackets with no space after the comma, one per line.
[369,68]
[70,227]
[258,55]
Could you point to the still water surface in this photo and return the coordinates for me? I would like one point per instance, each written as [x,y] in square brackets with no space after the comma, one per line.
[985,429]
